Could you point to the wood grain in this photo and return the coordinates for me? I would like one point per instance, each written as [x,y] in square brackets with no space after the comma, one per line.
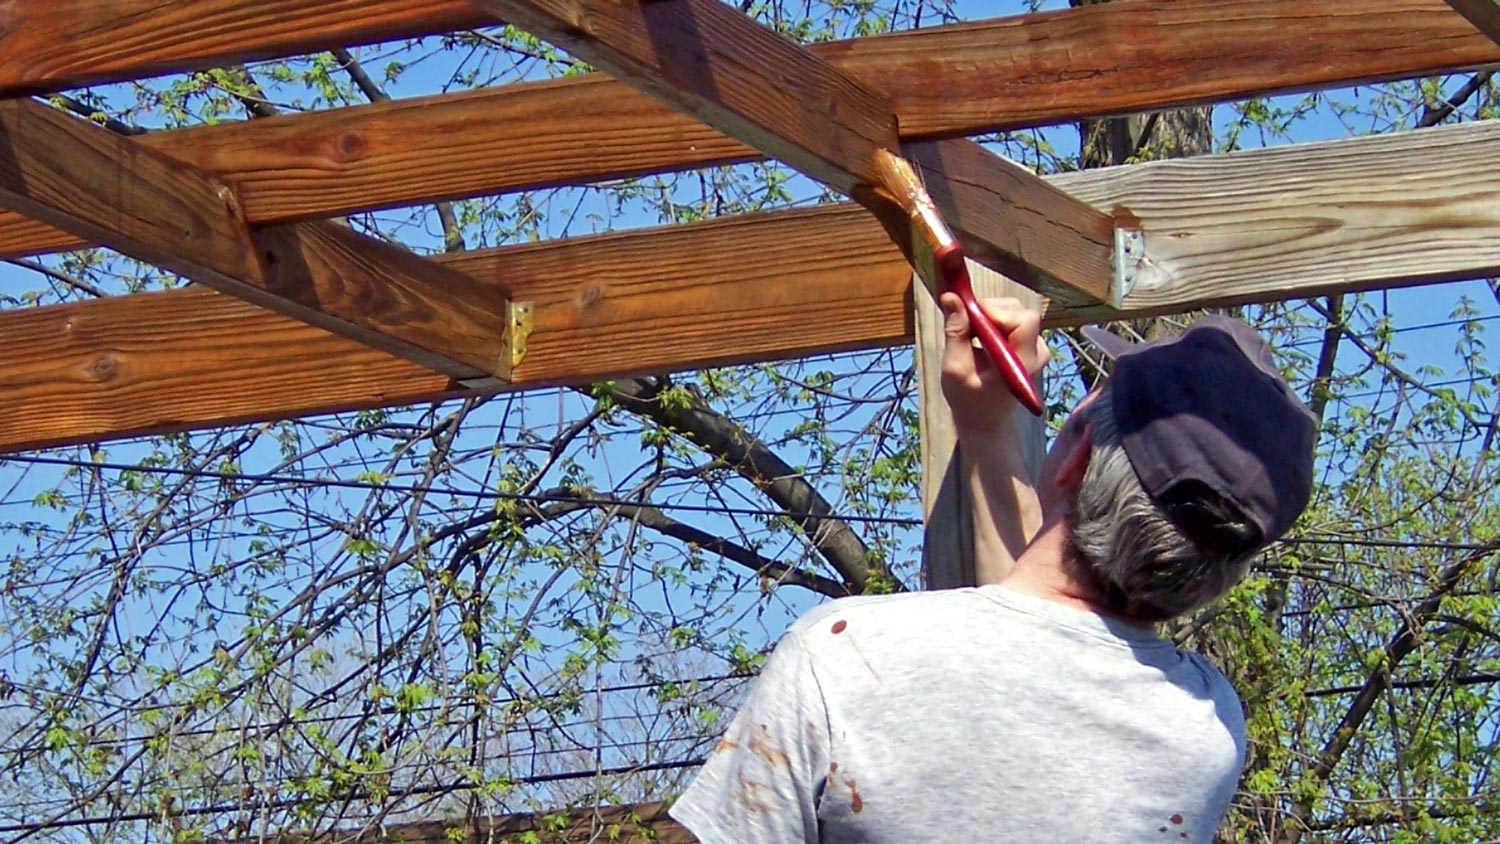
[102,187]
[713,63]
[1137,55]
[48,45]
[1008,72]
[1014,222]
[516,137]
[1308,219]
[766,287]
[107,189]
[1248,227]
[1484,14]
[21,236]
[945,81]
[382,296]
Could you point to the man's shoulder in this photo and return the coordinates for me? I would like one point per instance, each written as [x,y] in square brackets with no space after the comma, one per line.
[882,607]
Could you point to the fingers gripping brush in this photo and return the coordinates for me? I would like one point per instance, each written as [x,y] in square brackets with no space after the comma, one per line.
[939,259]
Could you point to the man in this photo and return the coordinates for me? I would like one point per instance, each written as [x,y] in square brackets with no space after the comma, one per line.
[1043,707]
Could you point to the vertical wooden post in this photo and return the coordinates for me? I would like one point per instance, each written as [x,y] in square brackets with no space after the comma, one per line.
[948,547]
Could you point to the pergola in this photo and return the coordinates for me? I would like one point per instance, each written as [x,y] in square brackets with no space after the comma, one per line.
[293,314]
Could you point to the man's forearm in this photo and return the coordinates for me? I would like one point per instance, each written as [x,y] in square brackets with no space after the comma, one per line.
[998,466]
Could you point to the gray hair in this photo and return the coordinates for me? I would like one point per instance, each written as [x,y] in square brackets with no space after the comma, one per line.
[1153,560]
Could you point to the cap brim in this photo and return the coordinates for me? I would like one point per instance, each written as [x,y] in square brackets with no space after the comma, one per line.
[1112,345]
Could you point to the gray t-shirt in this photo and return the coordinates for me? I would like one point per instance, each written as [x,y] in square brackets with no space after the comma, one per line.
[972,715]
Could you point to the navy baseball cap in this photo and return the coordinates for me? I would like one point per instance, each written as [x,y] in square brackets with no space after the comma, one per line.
[1209,406]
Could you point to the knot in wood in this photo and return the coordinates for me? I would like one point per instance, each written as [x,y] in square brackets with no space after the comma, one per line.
[590,295]
[103,368]
[349,146]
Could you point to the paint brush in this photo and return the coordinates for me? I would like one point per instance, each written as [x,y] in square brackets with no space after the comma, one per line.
[939,259]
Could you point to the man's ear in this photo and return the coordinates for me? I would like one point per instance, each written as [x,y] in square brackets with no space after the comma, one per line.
[1076,461]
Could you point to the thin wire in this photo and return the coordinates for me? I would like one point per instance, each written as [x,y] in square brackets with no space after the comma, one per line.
[1372,335]
[463,493]
[354,716]
[1392,543]
[696,508]
[292,802]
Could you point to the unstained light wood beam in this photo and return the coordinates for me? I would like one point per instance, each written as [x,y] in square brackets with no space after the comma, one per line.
[98,185]
[1303,220]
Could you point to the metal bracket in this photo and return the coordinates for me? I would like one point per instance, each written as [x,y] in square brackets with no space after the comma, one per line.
[513,336]
[518,324]
[1130,251]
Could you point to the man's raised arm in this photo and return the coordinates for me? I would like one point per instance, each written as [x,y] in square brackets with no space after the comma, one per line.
[1006,512]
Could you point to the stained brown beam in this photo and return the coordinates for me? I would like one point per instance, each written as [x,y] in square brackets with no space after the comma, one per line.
[47,45]
[1265,225]
[718,66]
[720,292]
[1484,14]
[1021,70]
[713,63]
[104,187]
[952,80]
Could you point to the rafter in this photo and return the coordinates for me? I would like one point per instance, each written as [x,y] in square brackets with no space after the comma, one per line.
[1484,14]
[1304,220]
[1028,69]
[713,63]
[104,187]
[47,45]
[953,80]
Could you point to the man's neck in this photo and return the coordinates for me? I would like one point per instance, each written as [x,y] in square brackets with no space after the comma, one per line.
[1043,570]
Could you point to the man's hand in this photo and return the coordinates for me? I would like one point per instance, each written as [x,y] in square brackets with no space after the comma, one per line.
[974,388]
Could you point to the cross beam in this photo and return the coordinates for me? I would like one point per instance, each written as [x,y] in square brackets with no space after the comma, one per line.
[959,79]
[1484,14]
[713,63]
[97,185]
[1302,220]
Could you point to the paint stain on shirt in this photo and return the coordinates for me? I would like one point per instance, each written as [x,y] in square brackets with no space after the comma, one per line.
[767,748]
[838,626]
[856,803]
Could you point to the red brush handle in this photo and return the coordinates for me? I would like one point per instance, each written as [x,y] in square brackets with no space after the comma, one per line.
[956,275]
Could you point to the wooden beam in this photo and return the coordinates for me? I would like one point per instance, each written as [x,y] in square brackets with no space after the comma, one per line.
[1386,211]
[1008,72]
[1137,55]
[760,288]
[1294,221]
[1484,14]
[106,188]
[954,80]
[48,45]
[948,554]
[1011,220]
[713,63]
